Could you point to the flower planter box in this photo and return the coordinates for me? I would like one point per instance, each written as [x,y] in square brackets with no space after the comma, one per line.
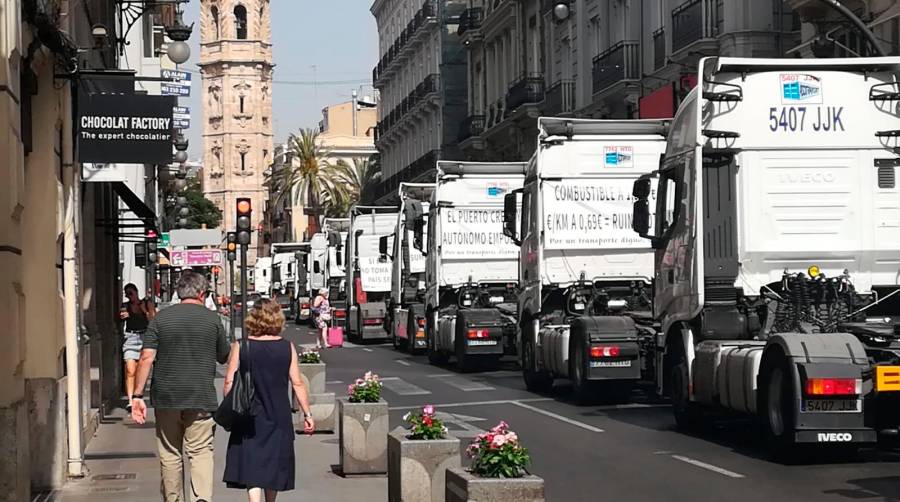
[363,430]
[462,486]
[313,375]
[322,407]
[416,467]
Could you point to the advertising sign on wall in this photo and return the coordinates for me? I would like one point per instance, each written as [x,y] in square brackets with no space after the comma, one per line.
[196,258]
[179,85]
[126,128]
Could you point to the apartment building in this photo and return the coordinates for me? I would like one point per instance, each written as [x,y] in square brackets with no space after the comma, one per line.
[421,76]
[623,58]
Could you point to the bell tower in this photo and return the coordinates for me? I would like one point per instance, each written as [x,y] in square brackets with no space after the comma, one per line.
[236,66]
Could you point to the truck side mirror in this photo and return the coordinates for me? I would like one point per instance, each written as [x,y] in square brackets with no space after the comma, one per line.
[510,216]
[419,235]
[383,245]
[641,188]
[640,217]
[317,268]
[334,239]
[412,211]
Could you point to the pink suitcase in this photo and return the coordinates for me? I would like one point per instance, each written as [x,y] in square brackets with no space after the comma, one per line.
[336,336]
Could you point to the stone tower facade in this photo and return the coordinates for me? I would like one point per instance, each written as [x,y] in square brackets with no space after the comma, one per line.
[236,64]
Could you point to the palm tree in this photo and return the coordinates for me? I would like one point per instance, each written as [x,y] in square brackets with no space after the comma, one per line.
[307,177]
[356,182]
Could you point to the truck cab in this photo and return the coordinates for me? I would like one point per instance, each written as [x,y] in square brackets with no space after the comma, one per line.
[585,280]
[368,272]
[406,311]
[335,273]
[776,231]
[471,267]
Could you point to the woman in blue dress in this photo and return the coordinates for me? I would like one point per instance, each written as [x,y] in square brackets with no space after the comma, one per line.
[260,457]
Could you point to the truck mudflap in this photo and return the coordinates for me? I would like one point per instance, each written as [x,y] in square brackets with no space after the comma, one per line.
[416,330]
[480,332]
[610,344]
[372,317]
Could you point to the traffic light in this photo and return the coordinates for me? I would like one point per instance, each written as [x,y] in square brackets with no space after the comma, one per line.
[231,245]
[152,247]
[244,210]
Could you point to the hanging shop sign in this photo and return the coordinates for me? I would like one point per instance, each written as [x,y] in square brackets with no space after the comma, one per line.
[126,128]
[182,117]
[179,83]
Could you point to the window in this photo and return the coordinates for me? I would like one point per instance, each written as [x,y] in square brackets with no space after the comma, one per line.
[240,22]
[147,35]
[525,212]
[242,104]
[668,202]
[243,161]
[214,12]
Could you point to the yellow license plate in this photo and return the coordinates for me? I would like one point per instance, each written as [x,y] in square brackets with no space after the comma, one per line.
[887,378]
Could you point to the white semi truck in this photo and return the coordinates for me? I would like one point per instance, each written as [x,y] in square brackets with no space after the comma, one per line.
[471,267]
[585,278]
[777,238]
[336,275]
[368,273]
[406,311]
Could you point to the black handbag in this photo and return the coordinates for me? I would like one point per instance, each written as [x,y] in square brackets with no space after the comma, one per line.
[237,406]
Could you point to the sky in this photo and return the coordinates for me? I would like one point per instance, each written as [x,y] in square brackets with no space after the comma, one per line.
[322,50]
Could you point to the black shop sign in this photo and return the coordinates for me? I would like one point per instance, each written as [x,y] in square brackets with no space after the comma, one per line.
[125,128]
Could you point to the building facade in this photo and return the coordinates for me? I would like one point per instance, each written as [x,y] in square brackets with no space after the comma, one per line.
[236,64]
[421,76]
[619,58]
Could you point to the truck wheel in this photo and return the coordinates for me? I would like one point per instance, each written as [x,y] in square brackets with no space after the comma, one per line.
[535,381]
[776,411]
[583,390]
[434,357]
[688,415]
[411,331]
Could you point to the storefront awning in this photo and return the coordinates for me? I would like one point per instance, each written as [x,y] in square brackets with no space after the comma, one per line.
[134,203]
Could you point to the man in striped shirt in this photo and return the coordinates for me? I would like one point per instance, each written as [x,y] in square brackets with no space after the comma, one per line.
[184,341]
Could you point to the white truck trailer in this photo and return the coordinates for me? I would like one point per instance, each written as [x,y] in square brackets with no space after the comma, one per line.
[368,272]
[471,267]
[336,275]
[584,276]
[406,311]
[777,249]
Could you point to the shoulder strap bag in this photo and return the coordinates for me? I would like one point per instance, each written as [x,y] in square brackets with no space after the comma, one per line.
[236,407]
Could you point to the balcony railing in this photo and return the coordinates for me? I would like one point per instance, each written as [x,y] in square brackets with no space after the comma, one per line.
[619,62]
[694,20]
[429,85]
[659,48]
[416,169]
[528,89]
[472,126]
[470,20]
[560,98]
[425,13]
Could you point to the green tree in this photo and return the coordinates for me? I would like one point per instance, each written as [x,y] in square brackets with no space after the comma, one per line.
[309,176]
[201,211]
[356,181]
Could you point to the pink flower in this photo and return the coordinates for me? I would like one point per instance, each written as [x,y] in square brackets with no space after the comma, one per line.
[500,428]
[498,441]
[428,410]
[350,389]
[511,437]
[360,381]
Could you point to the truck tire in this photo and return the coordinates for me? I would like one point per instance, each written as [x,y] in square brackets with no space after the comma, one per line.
[583,390]
[535,381]
[434,357]
[776,409]
[688,414]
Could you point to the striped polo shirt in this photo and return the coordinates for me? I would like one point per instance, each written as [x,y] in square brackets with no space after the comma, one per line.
[189,339]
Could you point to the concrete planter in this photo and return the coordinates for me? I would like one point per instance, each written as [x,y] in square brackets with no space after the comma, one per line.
[313,375]
[363,430]
[322,407]
[416,467]
[462,486]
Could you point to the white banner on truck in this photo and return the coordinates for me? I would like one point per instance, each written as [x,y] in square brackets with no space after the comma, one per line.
[416,258]
[375,274]
[591,214]
[475,233]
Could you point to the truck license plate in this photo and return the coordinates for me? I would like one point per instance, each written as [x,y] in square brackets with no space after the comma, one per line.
[611,364]
[482,342]
[829,405]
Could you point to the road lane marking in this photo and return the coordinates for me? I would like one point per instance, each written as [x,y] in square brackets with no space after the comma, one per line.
[466,429]
[404,363]
[402,387]
[333,382]
[462,383]
[556,416]
[368,350]
[474,403]
[441,375]
[709,467]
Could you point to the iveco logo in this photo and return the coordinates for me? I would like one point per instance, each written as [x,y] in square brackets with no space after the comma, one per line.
[807,178]
[834,437]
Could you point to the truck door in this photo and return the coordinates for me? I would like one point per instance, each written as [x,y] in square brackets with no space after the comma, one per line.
[674,257]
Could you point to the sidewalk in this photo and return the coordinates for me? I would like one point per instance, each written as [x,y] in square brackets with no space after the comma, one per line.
[122,465]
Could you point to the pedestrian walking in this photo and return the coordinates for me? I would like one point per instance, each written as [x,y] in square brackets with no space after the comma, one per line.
[321,317]
[260,457]
[184,341]
[135,314]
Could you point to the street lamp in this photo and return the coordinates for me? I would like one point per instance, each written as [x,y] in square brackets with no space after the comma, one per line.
[561,11]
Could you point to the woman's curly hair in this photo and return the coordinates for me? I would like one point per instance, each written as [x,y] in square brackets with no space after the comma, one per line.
[264,319]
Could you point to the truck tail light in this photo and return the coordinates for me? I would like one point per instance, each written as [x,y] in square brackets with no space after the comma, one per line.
[304,305]
[421,322]
[340,314]
[372,322]
[475,334]
[604,351]
[833,386]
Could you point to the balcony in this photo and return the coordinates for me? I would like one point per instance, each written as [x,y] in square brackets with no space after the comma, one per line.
[417,170]
[618,63]
[560,98]
[528,89]
[694,21]
[471,127]
[470,20]
[404,43]
[659,48]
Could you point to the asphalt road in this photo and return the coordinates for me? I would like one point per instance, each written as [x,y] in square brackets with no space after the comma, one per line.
[629,452]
